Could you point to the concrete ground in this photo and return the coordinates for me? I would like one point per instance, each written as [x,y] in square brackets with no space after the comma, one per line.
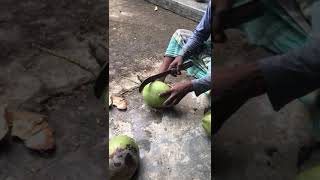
[256,142]
[173,144]
[33,80]
[190,9]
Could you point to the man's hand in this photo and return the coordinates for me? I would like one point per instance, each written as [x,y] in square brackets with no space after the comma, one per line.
[175,64]
[168,63]
[233,87]
[176,93]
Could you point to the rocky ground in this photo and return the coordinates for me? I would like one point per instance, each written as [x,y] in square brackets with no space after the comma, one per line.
[37,39]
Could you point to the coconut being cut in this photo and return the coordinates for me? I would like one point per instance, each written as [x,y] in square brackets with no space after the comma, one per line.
[151,94]
[123,157]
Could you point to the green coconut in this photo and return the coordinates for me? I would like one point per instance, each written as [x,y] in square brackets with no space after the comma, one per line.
[151,93]
[206,123]
[123,157]
[310,174]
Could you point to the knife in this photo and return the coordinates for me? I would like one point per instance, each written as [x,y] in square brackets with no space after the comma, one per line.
[172,71]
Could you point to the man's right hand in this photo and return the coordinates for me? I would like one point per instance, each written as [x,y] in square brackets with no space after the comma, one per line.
[233,87]
[170,62]
[175,64]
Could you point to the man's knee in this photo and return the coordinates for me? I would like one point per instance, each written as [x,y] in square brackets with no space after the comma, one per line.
[182,33]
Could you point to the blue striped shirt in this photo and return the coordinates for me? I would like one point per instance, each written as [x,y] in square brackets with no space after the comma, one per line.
[199,36]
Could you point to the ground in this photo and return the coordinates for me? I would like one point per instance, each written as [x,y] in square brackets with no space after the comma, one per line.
[33,80]
[257,142]
[173,144]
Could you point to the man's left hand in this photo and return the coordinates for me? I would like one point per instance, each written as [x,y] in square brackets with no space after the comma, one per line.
[176,93]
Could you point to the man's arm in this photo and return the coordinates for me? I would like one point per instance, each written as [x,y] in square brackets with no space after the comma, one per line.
[283,77]
[201,85]
[232,87]
[200,34]
[292,75]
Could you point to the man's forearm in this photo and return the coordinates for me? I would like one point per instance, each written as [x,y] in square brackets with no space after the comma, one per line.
[292,75]
[283,77]
[232,87]
[245,79]
[201,85]
[200,34]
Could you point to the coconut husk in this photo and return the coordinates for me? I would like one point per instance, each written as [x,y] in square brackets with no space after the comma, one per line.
[34,130]
[119,102]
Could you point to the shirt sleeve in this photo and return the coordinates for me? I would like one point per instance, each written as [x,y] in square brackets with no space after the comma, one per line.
[200,34]
[201,85]
[292,75]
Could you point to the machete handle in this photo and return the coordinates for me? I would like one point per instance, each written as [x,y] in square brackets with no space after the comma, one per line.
[174,71]
[186,65]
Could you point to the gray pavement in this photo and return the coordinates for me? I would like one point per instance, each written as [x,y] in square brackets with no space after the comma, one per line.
[190,9]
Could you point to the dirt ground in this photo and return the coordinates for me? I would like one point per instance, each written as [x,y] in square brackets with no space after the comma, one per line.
[34,80]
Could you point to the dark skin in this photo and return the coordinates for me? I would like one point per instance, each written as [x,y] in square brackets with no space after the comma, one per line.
[233,87]
[178,90]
